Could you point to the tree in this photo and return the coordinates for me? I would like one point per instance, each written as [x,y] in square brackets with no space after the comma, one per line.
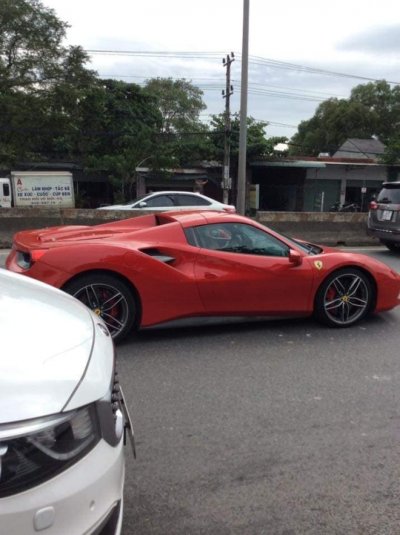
[119,126]
[30,44]
[182,136]
[41,83]
[383,102]
[258,147]
[179,102]
[334,121]
[373,109]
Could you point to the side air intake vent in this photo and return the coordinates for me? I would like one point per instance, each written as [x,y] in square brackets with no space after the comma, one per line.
[158,255]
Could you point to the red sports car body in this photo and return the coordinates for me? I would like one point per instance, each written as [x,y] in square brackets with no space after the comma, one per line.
[151,269]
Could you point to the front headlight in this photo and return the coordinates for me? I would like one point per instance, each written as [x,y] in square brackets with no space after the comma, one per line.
[36,450]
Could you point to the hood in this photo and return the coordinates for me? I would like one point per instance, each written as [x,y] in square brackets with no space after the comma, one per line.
[46,339]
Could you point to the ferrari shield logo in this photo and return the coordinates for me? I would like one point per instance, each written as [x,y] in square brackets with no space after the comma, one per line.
[318,264]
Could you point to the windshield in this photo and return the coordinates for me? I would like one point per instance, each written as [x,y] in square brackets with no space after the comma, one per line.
[309,248]
[135,200]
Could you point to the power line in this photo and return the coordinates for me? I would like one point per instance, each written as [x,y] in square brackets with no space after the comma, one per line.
[320,93]
[290,96]
[254,88]
[254,60]
[219,84]
[156,54]
[284,125]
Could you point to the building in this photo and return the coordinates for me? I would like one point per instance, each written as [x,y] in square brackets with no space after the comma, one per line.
[351,175]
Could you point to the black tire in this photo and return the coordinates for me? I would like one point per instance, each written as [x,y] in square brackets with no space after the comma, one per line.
[110,298]
[344,298]
[392,246]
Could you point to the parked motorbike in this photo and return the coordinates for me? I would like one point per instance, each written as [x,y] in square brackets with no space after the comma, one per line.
[351,207]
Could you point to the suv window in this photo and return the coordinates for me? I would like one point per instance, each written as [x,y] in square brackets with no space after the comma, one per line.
[389,195]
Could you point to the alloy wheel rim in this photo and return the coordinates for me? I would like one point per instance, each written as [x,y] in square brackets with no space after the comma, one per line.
[108,303]
[346,299]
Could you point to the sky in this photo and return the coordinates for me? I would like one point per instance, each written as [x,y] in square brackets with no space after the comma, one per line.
[290,43]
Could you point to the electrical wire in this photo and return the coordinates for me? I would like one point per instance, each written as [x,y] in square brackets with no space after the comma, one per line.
[253,88]
[254,60]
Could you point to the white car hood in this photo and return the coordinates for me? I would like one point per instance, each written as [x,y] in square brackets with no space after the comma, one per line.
[46,339]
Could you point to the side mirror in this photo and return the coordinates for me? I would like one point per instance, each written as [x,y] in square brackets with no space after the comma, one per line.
[295,257]
[142,204]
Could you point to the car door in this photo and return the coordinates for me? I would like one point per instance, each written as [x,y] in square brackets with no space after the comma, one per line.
[242,269]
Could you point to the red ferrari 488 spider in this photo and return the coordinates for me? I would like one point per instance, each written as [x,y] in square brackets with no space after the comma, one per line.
[147,270]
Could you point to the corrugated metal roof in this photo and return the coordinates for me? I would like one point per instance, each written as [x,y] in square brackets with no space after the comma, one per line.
[356,164]
[360,148]
[294,163]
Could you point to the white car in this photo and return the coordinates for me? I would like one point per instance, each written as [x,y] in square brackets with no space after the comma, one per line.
[62,415]
[172,200]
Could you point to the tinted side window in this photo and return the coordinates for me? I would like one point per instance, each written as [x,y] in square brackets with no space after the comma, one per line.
[159,201]
[191,200]
[389,195]
[239,238]
[191,237]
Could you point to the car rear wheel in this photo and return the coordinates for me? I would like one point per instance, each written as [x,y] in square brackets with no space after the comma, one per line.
[110,298]
[344,298]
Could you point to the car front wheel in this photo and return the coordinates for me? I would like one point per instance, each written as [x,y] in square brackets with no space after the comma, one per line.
[110,298]
[345,297]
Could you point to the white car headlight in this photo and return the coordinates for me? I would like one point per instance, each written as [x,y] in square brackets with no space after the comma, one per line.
[66,440]
[36,450]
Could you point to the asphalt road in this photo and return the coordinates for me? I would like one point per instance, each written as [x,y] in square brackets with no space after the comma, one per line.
[268,427]
[265,427]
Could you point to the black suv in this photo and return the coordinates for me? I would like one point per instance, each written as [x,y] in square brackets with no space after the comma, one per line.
[384,216]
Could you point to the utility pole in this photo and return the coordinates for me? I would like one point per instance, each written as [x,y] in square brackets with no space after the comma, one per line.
[241,190]
[226,179]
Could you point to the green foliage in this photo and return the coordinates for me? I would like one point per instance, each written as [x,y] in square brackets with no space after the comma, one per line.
[179,102]
[392,151]
[53,108]
[119,122]
[258,146]
[182,137]
[383,103]
[30,44]
[41,84]
[334,122]
[373,109]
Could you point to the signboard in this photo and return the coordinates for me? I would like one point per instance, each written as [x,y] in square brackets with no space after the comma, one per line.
[43,189]
[5,193]
[254,196]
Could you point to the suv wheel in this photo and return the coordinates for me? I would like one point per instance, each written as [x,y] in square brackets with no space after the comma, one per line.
[392,246]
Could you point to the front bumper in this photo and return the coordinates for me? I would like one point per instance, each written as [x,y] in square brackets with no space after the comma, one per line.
[83,500]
